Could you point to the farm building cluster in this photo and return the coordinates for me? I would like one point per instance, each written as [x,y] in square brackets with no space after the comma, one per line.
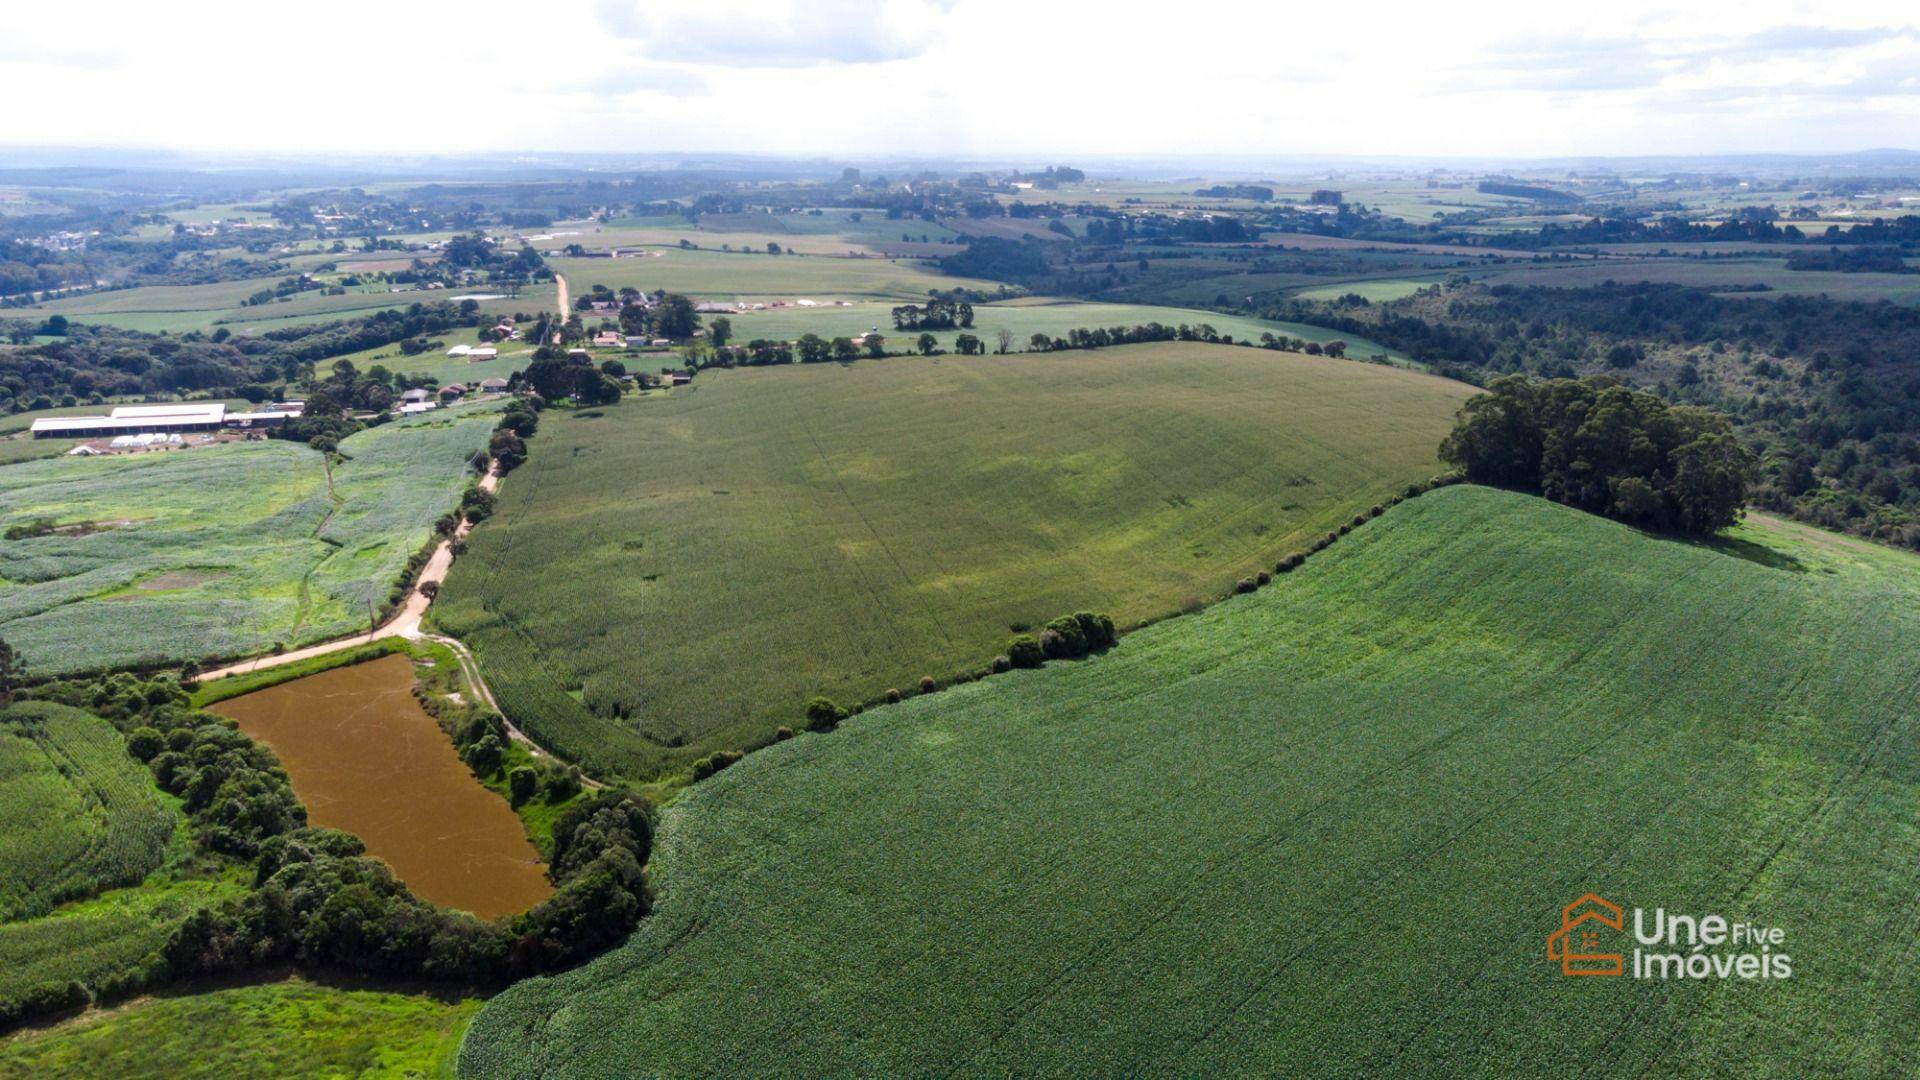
[181,418]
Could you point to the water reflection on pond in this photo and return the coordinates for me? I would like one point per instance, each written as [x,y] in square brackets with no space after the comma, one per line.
[366,758]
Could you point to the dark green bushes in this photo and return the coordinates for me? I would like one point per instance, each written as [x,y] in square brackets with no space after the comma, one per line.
[714,762]
[824,715]
[1065,638]
[318,901]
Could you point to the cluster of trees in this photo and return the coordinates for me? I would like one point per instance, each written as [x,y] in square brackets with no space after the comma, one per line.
[555,374]
[1858,260]
[319,901]
[1605,448]
[938,314]
[1255,192]
[1822,390]
[1068,637]
[507,445]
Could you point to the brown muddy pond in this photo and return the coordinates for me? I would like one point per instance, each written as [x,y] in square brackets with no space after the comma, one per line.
[367,759]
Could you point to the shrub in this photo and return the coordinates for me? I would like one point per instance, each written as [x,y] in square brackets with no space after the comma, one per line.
[782,733]
[893,697]
[1377,510]
[928,685]
[1262,578]
[715,762]
[1289,564]
[824,715]
[1244,585]
[1025,651]
[521,784]
[1052,645]
[145,743]
[1072,638]
[562,784]
[484,756]
[1098,629]
[1001,663]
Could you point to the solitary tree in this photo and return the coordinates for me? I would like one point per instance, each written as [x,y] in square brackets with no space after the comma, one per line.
[1004,338]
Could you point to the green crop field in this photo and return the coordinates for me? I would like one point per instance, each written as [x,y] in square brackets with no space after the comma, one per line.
[728,276]
[284,1029]
[1717,274]
[77,813]
[1023,319]
[682,572]
[1325,828]
[181,308]
[100,941]
[221,550]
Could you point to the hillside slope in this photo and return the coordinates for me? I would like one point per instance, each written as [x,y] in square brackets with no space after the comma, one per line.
[681,573]
[1326,828]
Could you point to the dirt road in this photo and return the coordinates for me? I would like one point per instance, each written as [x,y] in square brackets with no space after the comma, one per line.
[566,308]
[404,622]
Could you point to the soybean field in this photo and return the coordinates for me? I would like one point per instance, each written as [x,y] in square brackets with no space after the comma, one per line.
[1324,828]
[683,572]
[77,813]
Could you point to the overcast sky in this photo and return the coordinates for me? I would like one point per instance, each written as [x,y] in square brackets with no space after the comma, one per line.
[983,78]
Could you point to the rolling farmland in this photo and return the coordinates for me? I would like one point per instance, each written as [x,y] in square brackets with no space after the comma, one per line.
[182,308]
[1324,828]
[220,550]
[682,572]
[733,275]
[77,813]
[1024,318]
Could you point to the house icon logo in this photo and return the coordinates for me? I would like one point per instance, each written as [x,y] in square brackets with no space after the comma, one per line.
[1576,945]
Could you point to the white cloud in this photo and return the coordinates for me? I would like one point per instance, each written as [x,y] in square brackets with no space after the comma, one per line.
[1021,79]
[759,33]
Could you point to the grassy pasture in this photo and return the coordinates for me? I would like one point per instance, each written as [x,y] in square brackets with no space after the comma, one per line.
[1323,829]
[680,573]
[221,550]
[1377,291]
[1718,274]
[1023,318]
[730,276]
[180,308]
[293,1028]
[77,813]
[833,232]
